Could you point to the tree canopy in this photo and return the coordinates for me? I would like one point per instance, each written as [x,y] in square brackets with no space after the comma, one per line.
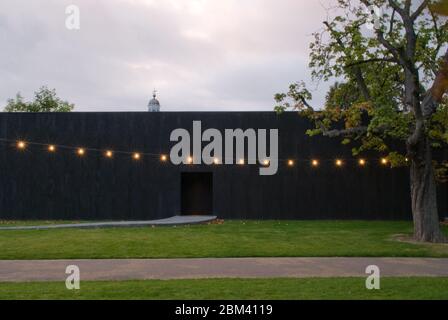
[371,77]
[45,100]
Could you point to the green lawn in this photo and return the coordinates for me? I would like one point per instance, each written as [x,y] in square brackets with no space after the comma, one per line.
[231,239]
[225,289]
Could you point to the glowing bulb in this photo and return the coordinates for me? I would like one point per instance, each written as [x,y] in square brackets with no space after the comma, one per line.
[339,162]
[362,162]
[81,152]
[21,145]
[290,163]
[406,159]
[266,162]
[190,160]
[216,161]
[136,156]
[51,148]
[384,161]
[163,158]
[241,162]
[109,154]
[315,163]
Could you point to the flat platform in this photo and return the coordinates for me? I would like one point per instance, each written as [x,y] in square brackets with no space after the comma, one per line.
[173,221]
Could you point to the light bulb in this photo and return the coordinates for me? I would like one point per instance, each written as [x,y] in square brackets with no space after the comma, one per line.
[21,145]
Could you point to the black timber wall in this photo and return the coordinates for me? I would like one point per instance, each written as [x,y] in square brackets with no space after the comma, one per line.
[35,184]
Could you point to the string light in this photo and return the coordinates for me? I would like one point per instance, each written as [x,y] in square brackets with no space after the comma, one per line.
[109,154]
[21,145]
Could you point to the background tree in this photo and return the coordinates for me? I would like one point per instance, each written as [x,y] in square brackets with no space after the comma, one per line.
[394,77]
[45,100]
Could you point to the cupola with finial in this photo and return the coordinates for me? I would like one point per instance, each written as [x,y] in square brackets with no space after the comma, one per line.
[154,104]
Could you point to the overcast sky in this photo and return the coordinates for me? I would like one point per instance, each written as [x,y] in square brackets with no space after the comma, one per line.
[199,54]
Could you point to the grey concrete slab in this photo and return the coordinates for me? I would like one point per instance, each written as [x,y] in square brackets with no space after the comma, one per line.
[173,221]
[40,270]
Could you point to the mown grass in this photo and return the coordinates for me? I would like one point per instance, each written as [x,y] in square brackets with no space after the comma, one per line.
[240,289]
[231,239]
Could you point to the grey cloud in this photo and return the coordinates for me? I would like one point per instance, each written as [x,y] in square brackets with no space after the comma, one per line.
[201,55]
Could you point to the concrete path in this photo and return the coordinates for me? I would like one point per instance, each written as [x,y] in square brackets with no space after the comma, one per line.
[173,221]
[220,268]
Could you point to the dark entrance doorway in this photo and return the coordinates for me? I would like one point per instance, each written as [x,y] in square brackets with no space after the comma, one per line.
[197,193]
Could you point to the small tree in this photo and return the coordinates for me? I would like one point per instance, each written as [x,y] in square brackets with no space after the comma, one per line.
[45,100]
[394,79]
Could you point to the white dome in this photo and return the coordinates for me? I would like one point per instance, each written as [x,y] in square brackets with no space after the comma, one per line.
[154,104]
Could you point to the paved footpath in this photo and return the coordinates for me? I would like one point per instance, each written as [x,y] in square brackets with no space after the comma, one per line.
[173,221]
[54,270]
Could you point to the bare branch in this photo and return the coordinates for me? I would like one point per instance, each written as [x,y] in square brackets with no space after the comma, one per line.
[392,22]
[430,103]
[305,103]
[393,50]
[369,61]
[396,7]
[419,10]
[350,132]
[345,132]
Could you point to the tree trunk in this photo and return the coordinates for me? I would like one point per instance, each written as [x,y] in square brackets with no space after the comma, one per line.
[424,196]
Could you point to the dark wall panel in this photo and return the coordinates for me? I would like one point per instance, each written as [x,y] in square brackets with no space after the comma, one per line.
[37,185]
